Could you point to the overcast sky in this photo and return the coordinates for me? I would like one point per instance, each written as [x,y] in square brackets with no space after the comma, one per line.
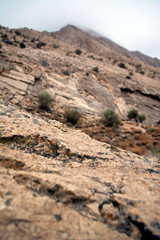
[133,24]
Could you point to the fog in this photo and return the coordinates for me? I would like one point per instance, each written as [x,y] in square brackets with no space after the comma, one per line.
[133,24]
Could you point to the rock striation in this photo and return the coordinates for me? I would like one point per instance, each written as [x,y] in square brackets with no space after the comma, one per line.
[58,183]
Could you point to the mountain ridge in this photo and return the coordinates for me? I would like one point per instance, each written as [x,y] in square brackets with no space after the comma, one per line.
[63,34]
[101,39]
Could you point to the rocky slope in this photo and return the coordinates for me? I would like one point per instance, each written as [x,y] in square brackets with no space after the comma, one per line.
[121,80]
[95,43]
[155,62]
[58,183]
[103,75]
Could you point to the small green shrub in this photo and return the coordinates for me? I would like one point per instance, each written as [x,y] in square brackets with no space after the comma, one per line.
[45,99]
[72,115]
[8,42]
[114,61]
[32,40]
[131,73]
[91,56]
[142,117]
[22,45]
[66,72]
[17,33]
[87,73]
[138,65]
[78,51]
[122,65]
[111,118]
[142,72]
[96,69]
[4,37]
[40,44]
[128,77]
[0,45]
[133,114]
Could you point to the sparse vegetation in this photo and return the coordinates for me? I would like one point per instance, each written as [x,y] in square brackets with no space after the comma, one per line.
[142,72]
[128,77]
[78,51]
[139,69]
[138,66]
[32,40]
[115,61]
[87,73]
[66,72]
[155,150]
[68,53]
[96,69]
[142,117]
[0,45]
[91,56]
[40,44]
[4,37]
[45,99]
[133,114]
[131,73]
[7,41]
[122,65]
[22,45]
[17,33]
[72,115]
[111,118]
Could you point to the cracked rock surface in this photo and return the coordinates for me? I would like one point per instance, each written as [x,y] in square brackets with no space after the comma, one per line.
[58,183]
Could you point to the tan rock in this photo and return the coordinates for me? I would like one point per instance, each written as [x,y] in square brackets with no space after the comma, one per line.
[58,183]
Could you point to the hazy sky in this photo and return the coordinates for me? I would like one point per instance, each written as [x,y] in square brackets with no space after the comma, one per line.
[133,24]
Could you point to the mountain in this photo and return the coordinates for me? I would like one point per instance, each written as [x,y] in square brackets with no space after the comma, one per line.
[93,42]
[82,181]
[99,75]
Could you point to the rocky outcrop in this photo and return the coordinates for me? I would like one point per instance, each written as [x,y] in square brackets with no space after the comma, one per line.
[102,76]
[120,81]
[58,183]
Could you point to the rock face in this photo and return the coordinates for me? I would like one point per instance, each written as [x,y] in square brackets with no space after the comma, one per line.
[58,183]
[104,75]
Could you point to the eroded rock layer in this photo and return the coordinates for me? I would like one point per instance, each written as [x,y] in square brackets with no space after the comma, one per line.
[58,183]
